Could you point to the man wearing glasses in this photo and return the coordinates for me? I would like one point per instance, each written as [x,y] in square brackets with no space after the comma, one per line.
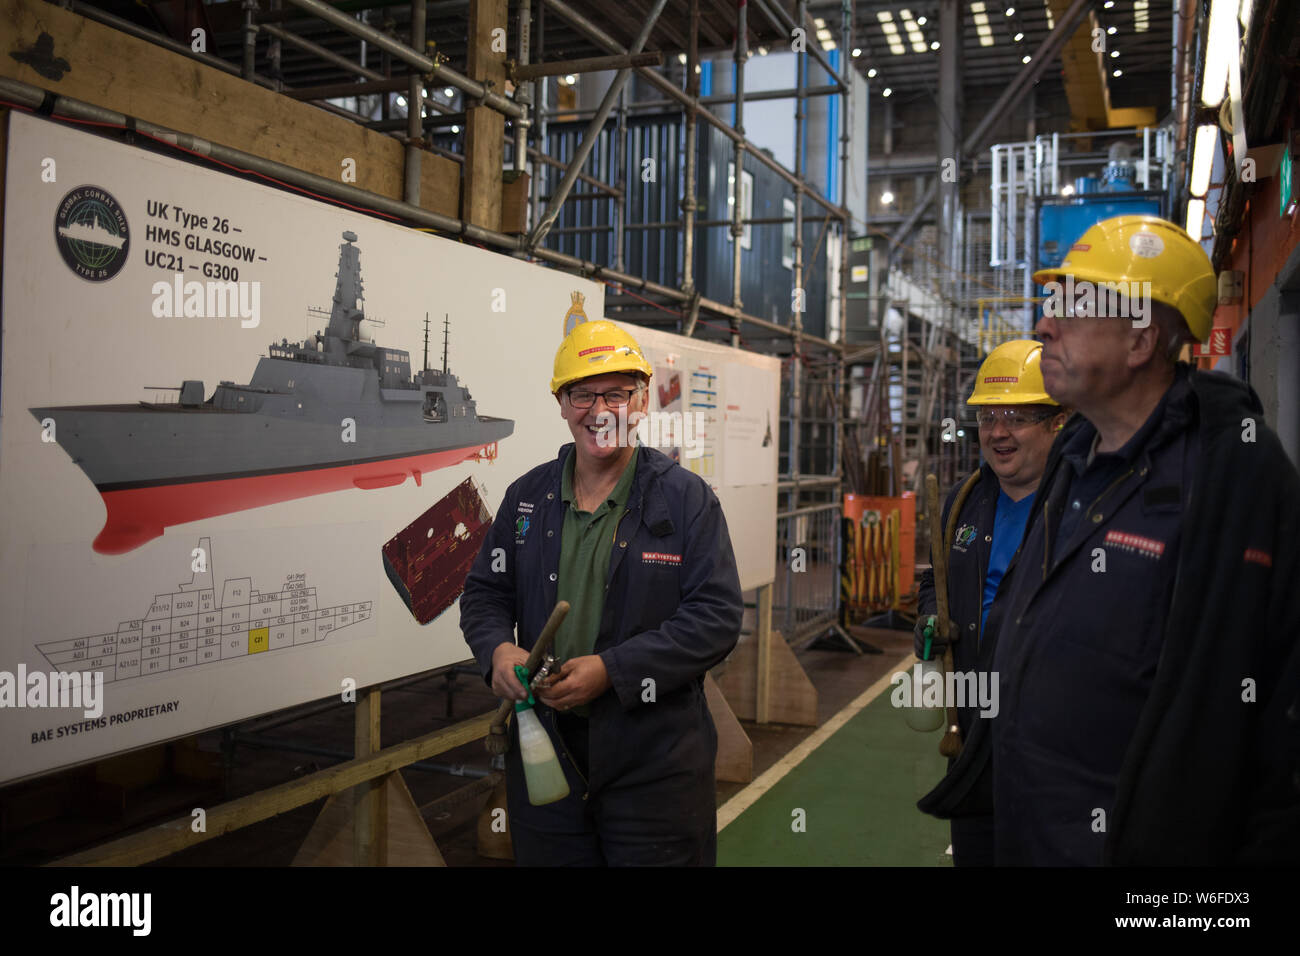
[1147,630]
[1018,422]
[639,548]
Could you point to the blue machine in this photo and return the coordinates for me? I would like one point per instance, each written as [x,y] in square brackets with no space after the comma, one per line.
[1062,220]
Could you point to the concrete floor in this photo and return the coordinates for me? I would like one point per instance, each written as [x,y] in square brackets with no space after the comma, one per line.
[449,804]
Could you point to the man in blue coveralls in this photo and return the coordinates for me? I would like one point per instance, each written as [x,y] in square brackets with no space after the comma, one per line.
[1147,630]
[1018,421]
[639,548]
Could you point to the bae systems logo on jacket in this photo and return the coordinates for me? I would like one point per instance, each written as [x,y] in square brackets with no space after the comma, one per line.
[964,536]
[660,557]
[1135,544]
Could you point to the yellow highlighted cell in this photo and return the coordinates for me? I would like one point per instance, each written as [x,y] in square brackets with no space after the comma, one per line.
[259,639]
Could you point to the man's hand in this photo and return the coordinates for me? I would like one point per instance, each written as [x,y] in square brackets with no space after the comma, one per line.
[504,682]
[581,679]
[937,643]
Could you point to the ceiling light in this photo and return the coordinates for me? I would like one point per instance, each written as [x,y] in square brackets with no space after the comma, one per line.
[455,129]
[1222,35]
[570,79]
[886,91]
[886,197]
[1018,37]
[681,58]
[1207,138]
[857,51]
[401,100]
[871,73]
[934,45]
[1011,11]
[762,51]
[922,20]
[449,92]
[1140,21]
[1110,31]
[981,23]
[1195,218]
[1118,73]
[1025,59]
[697,68]
[424,94]
[1068,190]
[819,23]
[1114,53]
[1108,4]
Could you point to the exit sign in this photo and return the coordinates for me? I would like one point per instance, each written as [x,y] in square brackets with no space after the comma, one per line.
[1288,201]
[1220,343]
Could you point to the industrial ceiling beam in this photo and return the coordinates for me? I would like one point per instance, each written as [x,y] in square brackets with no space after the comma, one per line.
[1008,101]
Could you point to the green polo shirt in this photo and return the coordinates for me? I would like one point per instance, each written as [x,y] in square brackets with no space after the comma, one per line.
[585,545]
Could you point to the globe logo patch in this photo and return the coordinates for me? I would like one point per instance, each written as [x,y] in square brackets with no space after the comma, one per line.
[91,232]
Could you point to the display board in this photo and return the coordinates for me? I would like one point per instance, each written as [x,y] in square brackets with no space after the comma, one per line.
[225,549]
[729,403]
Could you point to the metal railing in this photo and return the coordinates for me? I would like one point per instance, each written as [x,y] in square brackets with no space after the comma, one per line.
[805,599]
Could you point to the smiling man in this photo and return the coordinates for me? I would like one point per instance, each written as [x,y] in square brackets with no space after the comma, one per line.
[639,548]
[1018,421]
[1147,630]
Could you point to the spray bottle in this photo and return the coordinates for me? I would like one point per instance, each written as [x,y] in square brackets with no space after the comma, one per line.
[918,717]
[542,770]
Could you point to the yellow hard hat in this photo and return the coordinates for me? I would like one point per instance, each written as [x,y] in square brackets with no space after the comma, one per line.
[596,348]
[1011,376]
[1146,249]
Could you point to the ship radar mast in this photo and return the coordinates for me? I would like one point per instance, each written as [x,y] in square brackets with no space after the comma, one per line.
[348,309]
[446,334]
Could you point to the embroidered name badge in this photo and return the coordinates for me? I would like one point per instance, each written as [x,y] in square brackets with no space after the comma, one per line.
[525,508]
[660,557]
[1135,544]
[1256,556]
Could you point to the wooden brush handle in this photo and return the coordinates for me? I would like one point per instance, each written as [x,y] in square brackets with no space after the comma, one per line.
[540,650]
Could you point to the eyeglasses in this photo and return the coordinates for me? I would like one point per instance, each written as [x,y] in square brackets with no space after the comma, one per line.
[1013,418]
[614,397]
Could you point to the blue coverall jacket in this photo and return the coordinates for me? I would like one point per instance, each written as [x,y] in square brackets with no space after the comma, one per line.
[672,610]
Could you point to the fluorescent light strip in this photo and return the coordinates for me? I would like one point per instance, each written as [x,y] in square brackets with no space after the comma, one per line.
[1141,23]
[1221,33]
[981,23]
[1195,218]
[1051,20]
[1207,138]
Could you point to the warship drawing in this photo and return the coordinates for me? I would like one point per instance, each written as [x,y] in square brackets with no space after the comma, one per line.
[93,233]
[334,412]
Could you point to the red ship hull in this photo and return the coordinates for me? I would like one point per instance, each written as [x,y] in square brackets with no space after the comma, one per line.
[138,515]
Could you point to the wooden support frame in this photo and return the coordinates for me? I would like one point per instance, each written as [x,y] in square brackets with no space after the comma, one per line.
[763,680]
[168,838]
[484,126]
[140,79]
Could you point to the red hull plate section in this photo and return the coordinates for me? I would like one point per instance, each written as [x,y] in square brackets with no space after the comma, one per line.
[427,561]
[138,515]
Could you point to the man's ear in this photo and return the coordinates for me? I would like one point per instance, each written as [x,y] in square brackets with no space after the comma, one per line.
[1143,345]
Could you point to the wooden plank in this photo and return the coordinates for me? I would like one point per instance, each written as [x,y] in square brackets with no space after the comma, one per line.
[763,687]
[369,801]
[167,838]
[135,77]
[793,697]
[735,763]
[484,126]
[408,840]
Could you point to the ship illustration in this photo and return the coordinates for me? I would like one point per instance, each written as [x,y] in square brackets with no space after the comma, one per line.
[334,412]
[92,233]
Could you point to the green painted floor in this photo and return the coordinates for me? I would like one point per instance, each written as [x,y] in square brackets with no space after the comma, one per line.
[858,791]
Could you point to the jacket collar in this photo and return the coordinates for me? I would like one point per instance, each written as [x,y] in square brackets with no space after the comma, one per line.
[647,492]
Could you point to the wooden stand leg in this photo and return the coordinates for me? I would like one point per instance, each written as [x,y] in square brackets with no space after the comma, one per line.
[735,763]
[792,699]
[374,824]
